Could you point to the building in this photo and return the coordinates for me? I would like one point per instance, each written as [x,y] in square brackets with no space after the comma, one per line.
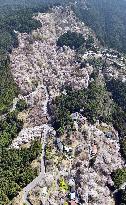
[75,116]
[72,195]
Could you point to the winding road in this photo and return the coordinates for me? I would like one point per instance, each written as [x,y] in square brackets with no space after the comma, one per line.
[41,176]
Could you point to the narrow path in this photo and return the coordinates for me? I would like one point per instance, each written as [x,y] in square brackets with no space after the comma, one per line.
[37,180]
[122,187]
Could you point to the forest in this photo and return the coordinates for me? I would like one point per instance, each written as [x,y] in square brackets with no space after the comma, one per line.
[104,102]
[107,19]
[76,41]
[21,20]
[17,15]
[96,103]
[15,165]
[71,39]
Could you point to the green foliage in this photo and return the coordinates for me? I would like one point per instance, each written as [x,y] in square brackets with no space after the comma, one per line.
[16,171]
[63,185]
[106,18]
[99,104]
[71,39]
[96,63]
[95,102]
[119,177]
[21,105]
[48,152]
[119,121]
[66,203]
[118,90]
[15,168]
[20,20]
[8,89]
[15,165]
[89,42]
[3,198]
[9,128]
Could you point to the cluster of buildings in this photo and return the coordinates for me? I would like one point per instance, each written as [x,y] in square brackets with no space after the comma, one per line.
[87,183]
[42,70]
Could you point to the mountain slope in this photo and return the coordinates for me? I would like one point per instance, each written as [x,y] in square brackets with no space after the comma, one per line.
[107,19]
[67,124]
[82,145]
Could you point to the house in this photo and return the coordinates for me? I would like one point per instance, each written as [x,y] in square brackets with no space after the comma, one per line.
[68,149]
[75,116]
[72,195]
[71,182]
